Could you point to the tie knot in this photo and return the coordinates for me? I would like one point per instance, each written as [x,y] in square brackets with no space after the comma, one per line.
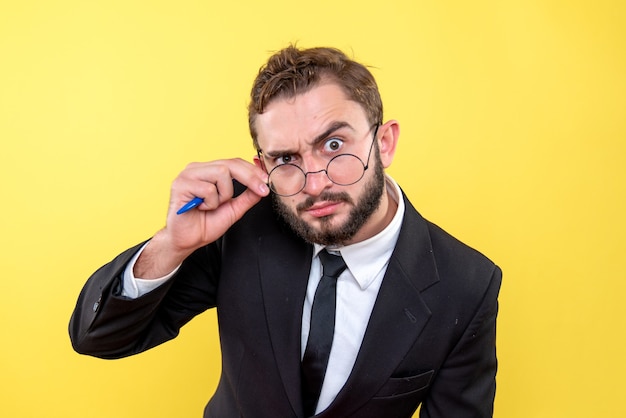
[333,264]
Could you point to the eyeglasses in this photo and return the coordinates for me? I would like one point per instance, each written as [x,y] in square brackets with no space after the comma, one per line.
[343,169]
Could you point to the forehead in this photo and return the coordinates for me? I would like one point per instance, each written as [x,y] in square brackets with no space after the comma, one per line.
[288,121]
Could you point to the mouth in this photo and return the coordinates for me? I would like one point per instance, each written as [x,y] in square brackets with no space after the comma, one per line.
[325,205]
[323,209]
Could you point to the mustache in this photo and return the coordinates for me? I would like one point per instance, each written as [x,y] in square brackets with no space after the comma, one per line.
[324,197]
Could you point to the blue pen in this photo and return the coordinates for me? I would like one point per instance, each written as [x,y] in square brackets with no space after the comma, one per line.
[190,205]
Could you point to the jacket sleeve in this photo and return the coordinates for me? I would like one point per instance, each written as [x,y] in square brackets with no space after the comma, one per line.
[465,385]
[107,325]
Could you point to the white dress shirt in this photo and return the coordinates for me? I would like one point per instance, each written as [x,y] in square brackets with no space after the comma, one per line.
[357,289]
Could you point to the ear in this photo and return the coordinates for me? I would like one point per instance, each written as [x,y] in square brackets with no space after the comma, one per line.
[258,162]
[388,134]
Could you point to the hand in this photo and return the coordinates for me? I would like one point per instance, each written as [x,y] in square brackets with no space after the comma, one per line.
[184,233]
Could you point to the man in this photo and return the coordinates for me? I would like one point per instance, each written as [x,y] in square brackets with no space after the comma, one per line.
[409,315]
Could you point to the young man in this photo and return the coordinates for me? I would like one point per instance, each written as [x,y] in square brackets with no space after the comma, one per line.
[407,318]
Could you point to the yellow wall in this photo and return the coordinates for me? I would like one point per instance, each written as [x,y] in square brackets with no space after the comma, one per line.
[513,139]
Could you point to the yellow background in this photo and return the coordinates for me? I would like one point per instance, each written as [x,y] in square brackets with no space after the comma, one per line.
[513,139]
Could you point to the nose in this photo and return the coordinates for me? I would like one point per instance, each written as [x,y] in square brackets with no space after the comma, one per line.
[316,182]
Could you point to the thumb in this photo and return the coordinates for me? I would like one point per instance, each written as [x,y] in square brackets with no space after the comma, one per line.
[242,203]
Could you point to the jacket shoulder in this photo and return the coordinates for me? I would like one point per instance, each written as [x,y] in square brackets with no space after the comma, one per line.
[459,268]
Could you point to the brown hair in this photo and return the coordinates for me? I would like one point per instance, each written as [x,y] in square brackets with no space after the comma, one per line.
[292,71]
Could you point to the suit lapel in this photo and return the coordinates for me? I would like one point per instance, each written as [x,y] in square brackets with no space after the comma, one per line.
[398,317]
[284,267]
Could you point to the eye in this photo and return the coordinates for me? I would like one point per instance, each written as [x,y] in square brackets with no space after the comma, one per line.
[284,159]
[333,145]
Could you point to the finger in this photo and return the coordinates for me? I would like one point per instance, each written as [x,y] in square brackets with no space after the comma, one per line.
[213,182]
[208,181]
[224,188]
[242,203]
[251,176]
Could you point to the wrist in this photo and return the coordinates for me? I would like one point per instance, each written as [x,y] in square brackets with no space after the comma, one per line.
[159,258]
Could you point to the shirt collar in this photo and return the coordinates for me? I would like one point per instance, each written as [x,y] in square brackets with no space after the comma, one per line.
[366,259]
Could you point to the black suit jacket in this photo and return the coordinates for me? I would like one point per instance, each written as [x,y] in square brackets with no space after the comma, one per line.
[430,338]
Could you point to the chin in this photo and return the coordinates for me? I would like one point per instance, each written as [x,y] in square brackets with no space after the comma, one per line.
[336,229]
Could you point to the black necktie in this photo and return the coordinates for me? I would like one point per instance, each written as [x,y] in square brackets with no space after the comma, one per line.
[321,332]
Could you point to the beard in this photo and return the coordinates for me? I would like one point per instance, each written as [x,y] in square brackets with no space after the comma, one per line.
[366,205]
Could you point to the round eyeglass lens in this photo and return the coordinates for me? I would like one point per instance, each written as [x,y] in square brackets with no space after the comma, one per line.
[345,169]
[289,179]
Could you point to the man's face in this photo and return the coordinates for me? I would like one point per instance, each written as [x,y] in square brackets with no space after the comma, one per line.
[308,131]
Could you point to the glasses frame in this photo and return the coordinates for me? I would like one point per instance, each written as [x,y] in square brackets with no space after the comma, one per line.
[325,170]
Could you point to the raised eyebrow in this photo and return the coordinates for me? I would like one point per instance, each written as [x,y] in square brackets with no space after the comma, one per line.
[335,126]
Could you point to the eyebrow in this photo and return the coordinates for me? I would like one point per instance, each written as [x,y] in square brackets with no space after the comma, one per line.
[333,127]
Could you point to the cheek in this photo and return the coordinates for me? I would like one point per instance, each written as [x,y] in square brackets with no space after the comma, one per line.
[289,202]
